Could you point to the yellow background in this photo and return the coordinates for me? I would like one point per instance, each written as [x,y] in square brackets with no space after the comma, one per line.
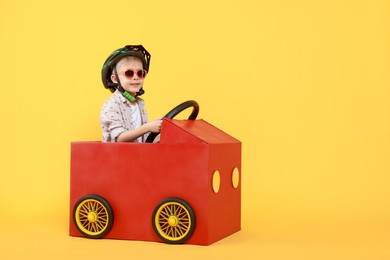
[305,85]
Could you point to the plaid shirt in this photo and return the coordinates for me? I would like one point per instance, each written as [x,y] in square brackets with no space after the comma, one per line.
[115,117]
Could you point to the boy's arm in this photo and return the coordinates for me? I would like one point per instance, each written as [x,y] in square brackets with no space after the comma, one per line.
[130,135]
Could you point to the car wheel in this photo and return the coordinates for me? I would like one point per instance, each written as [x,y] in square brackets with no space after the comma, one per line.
[173,220]
[93,216]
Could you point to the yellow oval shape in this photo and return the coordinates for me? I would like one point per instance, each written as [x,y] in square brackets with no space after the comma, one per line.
[235,177]
[216,181]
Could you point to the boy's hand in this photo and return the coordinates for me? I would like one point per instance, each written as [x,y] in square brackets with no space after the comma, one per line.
[155,125]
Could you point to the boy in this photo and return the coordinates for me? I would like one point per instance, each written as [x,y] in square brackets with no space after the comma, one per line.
[123,117]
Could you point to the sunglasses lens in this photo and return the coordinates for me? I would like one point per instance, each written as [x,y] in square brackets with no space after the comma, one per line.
[141,73]
[129,73]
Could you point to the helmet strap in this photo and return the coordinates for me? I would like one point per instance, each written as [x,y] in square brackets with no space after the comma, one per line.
[121,89]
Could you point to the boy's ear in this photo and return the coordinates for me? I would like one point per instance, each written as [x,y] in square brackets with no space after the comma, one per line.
[113,78]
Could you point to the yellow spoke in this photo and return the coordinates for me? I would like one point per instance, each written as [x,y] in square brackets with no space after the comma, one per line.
[180,212]
[175,209]
[93,227]
[177,234]
[101,212]
[103,217]
[164,225]
[84,209]
[99,225]
[171,231]
[182,230]
[93,205]
[165,214]
[83,214]
[172,209]
[179,231]
[102,222]
[87,206]
[183,225]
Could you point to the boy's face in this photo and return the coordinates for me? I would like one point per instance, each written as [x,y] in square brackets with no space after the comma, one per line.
[133,83]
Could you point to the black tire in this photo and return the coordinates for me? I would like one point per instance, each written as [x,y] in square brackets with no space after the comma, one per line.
[173,220]
[93,216]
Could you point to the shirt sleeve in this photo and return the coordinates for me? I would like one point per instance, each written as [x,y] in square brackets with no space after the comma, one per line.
[111,121]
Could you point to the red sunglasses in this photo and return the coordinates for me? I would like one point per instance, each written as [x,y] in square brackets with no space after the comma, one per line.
[130,73]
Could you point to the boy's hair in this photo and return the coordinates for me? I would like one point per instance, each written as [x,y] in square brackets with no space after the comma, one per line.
[126,59]
[137,51]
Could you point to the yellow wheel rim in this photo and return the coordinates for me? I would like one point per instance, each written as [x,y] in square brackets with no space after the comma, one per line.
[92,217]
[173,221]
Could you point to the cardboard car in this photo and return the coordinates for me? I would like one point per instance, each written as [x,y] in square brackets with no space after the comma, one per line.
[184,189]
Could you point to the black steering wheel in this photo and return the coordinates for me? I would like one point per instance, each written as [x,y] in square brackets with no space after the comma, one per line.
[174,112]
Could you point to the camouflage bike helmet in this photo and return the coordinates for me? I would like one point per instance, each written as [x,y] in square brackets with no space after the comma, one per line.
[109,66]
